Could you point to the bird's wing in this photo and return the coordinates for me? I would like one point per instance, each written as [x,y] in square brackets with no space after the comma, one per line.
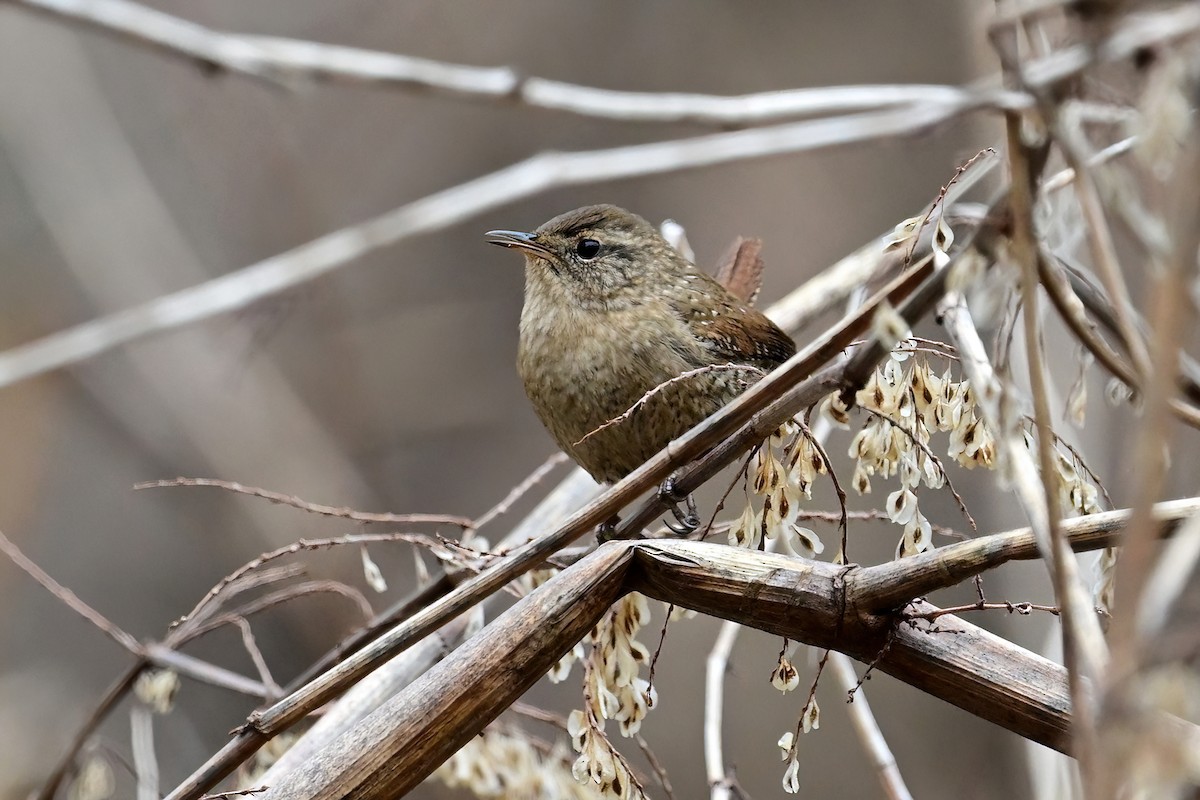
[730,329]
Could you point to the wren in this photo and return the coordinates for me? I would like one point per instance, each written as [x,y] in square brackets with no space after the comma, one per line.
[613,316]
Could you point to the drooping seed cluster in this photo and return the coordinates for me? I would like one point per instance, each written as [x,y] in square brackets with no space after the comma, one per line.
[907,403]
[781,472]
[509,766]
[612,690]
[810,720]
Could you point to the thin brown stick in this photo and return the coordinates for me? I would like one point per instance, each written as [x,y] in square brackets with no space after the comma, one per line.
[520,490]
[691,373]
[656,766]
[69,598]
[279,597]
[888,586]
[256,656]
[313,508]
[1024,609]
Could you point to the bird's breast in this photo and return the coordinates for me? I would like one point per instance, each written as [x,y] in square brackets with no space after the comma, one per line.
[606,384]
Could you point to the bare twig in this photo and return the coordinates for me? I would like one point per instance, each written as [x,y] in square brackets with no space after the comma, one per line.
[235,793]
[937,462]
[256,656]
[1083,648]
[1024,609]
[68,597]
[691,373]
[277,60]
[520,490]
[313,508]
[659,771]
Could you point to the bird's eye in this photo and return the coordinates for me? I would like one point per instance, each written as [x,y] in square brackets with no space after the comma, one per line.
[587,249]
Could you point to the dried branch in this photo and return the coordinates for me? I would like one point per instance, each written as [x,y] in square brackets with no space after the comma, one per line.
[520,490]
[313,508]
[888,586]
[69,598]
[1084,648]
[1023,609]
[145,762]
[719,776]
[278,61]
[685,376]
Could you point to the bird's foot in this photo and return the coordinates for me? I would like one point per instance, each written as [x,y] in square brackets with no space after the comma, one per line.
[686,521]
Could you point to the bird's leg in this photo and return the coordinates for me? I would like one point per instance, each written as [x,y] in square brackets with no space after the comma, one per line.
[685,522]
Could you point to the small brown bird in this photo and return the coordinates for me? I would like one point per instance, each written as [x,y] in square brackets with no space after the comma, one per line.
[613,317]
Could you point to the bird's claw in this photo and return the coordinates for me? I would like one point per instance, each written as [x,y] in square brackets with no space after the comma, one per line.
[686,522]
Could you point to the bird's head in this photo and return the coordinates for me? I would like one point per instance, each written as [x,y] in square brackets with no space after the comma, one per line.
[596,255]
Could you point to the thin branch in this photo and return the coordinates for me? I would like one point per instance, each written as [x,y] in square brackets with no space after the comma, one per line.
[278,61]
[1024,609]
[279,597]
[937,462]
[1084,650]
[641,401]
[108,702]
[184,628]
[887,586]
[520,490]
[313,508]
[256,656]
[660,772]
[1103,248]
[160,655]
[235,793]
[68,597]
[1070,308]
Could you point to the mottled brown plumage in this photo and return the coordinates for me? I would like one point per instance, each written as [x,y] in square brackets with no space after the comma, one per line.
[612,313]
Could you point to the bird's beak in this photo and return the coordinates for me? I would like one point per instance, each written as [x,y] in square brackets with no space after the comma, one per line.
[519,240]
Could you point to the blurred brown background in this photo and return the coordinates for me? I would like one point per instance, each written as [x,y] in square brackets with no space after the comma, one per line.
[389,385]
